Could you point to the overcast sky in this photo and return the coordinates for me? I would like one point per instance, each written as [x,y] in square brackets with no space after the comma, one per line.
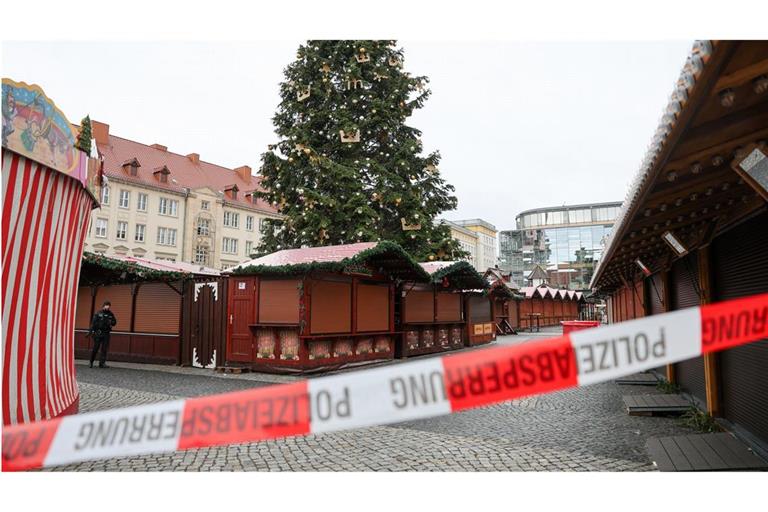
[519,125]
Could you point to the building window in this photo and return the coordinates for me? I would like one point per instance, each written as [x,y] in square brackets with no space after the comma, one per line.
[231,219]
[141,204]
[201,255]
[125,199]
[249,223]
[203,227]
[168,207]
[101,228]
[166,236]
[205,205]
[122,230]
[105,195]
[229,245]
[248,248]
[139,236]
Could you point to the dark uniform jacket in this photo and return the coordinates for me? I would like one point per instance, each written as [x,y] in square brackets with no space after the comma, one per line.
[102,323]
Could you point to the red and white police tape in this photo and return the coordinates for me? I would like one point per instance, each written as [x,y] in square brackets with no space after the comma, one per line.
[391,394]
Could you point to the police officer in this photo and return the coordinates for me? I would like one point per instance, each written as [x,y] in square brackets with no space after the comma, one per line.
[102,324]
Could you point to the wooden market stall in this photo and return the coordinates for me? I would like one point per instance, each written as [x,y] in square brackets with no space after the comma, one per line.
[167,312]
[543,306]
[432,315]
[506,302]
[49,190]
[693,229]
[317,309]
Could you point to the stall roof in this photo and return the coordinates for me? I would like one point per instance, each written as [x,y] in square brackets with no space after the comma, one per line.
[103,270]
[686,184]
[460,274]
[384,256]
[495,278]
[544,291]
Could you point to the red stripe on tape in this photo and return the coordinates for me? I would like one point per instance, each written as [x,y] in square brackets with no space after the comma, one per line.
[732,323]
[489,376]
[26,445]
[253,415]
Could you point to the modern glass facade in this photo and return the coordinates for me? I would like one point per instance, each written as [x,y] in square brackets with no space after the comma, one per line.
[566,242]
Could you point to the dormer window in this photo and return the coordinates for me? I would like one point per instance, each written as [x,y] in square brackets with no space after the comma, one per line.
[231,191]
[131,167]
[161,174]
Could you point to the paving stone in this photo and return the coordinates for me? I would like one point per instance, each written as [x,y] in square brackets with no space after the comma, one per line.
[584,429]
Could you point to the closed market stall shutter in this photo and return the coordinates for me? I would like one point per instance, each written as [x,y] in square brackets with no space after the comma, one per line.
[279,301]
[479,309]
[331,305]
[448,307]
[740,263]
[83,312]
[120,297]
[372,307]
[419,306]
[685,285]
[158,308]
[549,309]
[655,294]
[512,307]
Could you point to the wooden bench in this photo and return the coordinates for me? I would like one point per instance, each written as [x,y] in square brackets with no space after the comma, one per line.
[703,452]
[648,405]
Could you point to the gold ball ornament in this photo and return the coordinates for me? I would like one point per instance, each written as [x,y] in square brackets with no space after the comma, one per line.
[431,257]
[290,159]
[362,50]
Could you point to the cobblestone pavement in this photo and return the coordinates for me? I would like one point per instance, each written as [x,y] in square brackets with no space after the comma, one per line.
[584,429]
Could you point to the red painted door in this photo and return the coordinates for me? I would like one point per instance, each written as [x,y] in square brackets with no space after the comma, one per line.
[240,315]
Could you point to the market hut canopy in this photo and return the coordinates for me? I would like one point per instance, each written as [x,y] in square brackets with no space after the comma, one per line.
[499,286]
[385,257]
[458,275]
[705,169]
[98,269]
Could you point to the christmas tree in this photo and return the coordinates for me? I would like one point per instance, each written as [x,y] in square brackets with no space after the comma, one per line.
[83,142]
[347,168]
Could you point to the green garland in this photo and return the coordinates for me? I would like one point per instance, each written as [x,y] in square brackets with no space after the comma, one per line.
[134,272]
[384,255]
[461,275]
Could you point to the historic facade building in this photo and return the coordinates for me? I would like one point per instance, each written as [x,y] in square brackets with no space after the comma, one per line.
[478,237]
[162,205]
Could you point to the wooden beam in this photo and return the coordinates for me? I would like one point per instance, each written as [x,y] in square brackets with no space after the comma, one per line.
[742,123]
[667,303]
[704,155]
[711,380]
[742,76]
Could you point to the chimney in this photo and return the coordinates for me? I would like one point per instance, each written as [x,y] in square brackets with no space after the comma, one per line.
[100,132]
[160,147]
[244,172]
[194,157]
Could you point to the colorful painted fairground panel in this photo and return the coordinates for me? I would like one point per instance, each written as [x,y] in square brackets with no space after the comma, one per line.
[35,128]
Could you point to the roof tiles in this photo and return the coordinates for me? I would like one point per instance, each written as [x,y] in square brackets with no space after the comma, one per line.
[184,171]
